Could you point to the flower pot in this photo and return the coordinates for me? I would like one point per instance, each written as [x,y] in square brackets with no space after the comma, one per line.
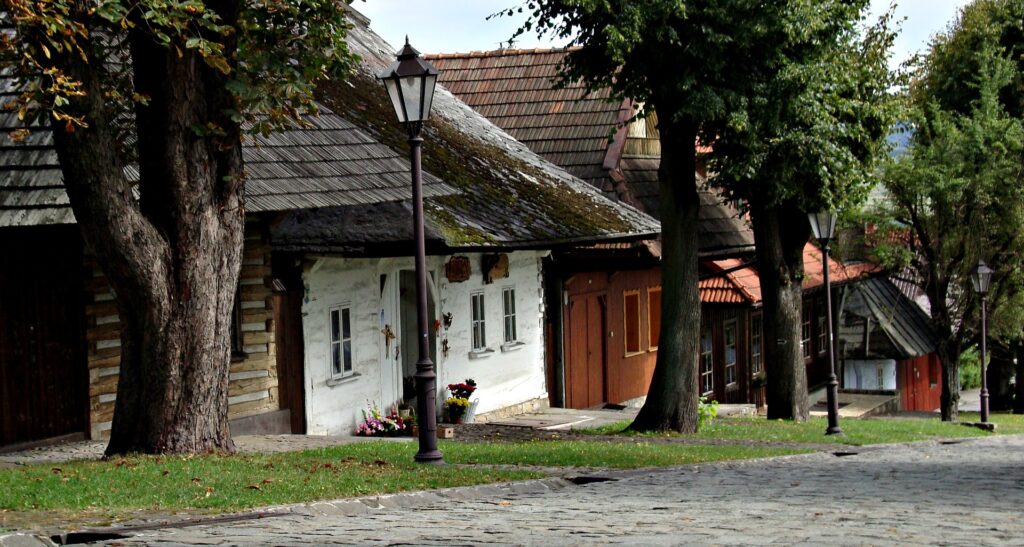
[470,414]
[404,412]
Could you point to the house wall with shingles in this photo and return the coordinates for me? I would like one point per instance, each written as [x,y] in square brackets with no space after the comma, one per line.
[506,378]
[253,379]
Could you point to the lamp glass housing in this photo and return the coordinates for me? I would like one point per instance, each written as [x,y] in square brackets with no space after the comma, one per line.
[410,82]
[823,224]
[981,278]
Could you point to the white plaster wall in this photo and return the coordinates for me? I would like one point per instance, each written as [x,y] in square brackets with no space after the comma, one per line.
[504,377]
[863,374]
[334,410]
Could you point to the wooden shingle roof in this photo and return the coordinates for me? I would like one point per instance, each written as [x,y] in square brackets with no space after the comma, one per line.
[330,162]
[508,196]
[516,89]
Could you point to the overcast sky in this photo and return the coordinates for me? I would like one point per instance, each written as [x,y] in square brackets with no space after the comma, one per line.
[447,26]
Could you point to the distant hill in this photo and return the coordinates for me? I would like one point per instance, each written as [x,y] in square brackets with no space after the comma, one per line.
[899,138]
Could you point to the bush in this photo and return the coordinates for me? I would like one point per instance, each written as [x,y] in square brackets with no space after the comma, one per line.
[706,412]
[970,369]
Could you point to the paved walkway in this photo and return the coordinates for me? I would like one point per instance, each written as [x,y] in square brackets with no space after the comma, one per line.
[970,492]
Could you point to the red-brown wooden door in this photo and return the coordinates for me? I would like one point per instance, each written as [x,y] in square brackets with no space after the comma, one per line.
[290,356]
[585,351]
[43,372]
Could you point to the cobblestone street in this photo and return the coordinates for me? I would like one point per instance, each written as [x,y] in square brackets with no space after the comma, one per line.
[971,492]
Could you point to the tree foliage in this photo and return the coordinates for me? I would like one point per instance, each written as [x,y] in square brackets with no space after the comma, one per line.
[957,194]
[756,80]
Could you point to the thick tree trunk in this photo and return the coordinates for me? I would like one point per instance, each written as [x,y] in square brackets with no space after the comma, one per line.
[1000,372]
[949,355]
[672,397]
[780,233]
[173,257]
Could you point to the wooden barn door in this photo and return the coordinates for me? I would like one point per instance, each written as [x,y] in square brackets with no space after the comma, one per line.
[585,351]
[43,373]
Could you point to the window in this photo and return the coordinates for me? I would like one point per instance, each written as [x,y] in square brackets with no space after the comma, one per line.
[477,316]
[653,317]
[631,329]
[805,332]
[822,335]
[730,351]
[756,334]
[880,376]
[707,364]
[508,311]
[341,341]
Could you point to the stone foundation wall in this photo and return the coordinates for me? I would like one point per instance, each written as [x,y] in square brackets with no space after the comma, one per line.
[526,407]
[253,387]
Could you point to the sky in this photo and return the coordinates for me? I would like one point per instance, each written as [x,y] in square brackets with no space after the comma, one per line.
[448,26]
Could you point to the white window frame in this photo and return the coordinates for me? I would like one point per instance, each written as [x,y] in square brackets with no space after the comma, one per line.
[805,331]
[478,344]
[707,363]
[730,368]
[756,343]
[508,315]
[347,368]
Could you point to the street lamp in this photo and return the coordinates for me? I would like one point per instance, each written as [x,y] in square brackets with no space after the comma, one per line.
[824,226]
[410,82]
[981,278]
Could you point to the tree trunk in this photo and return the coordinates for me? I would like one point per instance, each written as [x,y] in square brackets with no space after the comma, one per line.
[172,257]
[672,397]
[949,355]
[780,233]
[999,372]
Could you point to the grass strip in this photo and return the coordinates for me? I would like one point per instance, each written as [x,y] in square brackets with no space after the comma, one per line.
[226,483]
[857,432]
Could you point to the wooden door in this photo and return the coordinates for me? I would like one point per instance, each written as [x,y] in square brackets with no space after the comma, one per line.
[43,372]
[290,355]
[585,351]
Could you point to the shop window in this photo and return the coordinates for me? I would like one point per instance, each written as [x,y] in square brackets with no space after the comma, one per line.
[729,333]
[756,350]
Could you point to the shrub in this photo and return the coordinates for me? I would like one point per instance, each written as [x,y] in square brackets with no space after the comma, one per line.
[970,368]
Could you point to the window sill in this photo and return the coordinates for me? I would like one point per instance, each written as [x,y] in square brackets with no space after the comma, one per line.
[339,380]
[512,346]
[481,353]
[732,386]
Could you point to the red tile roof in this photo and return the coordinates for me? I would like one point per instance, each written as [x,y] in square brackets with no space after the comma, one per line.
[739,284]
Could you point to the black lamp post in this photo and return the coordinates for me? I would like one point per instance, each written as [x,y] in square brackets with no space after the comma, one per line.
[410,83]
[981,278]
[824,226]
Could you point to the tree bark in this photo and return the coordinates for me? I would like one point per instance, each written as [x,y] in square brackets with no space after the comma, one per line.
[672,397]
[780,233]
[999,372]
[948,351]
[173,257]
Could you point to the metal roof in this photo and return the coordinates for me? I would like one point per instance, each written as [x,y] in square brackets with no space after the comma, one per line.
[899,329]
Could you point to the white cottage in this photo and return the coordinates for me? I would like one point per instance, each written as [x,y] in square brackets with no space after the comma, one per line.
[359,325]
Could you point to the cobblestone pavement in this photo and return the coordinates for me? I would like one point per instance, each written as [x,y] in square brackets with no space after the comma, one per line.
[970,492]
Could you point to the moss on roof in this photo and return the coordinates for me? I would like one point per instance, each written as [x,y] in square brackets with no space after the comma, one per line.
[503,199]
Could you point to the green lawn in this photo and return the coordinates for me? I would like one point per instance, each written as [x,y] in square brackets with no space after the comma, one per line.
[1006,423]
[219,483]
[857,431]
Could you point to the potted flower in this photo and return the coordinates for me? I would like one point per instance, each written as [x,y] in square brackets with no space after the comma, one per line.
[455,407]
[377,424]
